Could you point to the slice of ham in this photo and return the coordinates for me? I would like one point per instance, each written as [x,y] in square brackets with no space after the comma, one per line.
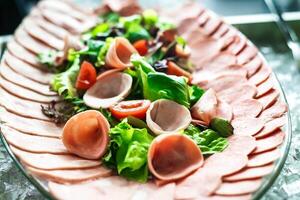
[250,173]
[206,107]
[124,8]
[10,75]
[219,62]
[29,43]
[239,187]
[243,144]
[247,125]
[32,143]
[246,54]
[53,162]
[237,93]
[72,176]
[238,45]
[247,108]
[229,197]
[173,156]
[226,163]
[253,65]
[209,107]
[222,30]
[112,188]
[108,90]
[30,126]
[119,53]
[40,34]
[271,126]
[166,116]
[269,142]
[212,25]
[20,52]
[261,75]
[21,107]
[24,93]
[265,87]
[201,183]
[264,158]
[26,70]
[275,111]
[269,98]
[86,134]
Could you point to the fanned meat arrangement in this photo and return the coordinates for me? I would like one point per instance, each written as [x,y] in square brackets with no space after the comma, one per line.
[214,135]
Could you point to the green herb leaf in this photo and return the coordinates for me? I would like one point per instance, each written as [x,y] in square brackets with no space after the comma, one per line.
[208,141]
[222,126]
[136,32]
[103,51]
[128,150]
[195,93]
[63,83]
[150,17]
[48,58]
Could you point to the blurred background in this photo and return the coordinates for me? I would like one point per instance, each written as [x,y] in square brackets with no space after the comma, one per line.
[12,11]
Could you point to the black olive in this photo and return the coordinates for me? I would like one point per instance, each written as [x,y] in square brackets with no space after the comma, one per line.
[160,66]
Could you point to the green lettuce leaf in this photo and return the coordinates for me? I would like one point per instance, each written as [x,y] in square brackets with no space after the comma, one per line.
[157,85]
[63,83]
[208,141]
[103,51]
[128,150]
[195,93]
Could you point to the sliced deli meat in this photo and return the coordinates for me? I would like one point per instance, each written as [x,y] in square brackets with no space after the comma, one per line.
[247,54]
[248,107]
[53,162]
[271,126]
[173,156]
[264,158]
[119,53]
[269,142]
[86,134]
[32,143]
[108,90]
[253,65]
[260,76]
[237,93]
[166,116]
[247,125]
[269,98]
[30,126]
[73,175]
[250,173]
[264,87]
[243,144]
[239,187]
[275,111]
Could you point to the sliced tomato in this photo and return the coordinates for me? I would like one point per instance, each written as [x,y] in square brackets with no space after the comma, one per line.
[86,77]
[174,69]
[135,108]
[141,46]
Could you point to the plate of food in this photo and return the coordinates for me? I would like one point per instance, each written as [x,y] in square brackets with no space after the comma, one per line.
[130,102]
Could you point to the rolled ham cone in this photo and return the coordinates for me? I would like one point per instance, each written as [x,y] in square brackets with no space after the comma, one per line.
[173,156]
[209,107]
[166,116]
[109,89]
[119,53]
[86,134]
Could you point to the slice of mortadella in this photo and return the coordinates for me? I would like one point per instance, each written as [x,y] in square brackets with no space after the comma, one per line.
[53,162]
[38,144]
[239,187]
[247,125]
[271,126]
[86,134]
[119,53]
[269,142]
[30,126]
[247,108]
[243,144]
[253,65]
[275,111]
[173,156]
[72,176]
[166,116]
[263,158]
[269,98]
[108,90]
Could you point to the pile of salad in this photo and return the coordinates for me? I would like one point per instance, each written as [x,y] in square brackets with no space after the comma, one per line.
[127,98]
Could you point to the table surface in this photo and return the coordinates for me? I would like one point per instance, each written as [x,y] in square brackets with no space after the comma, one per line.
[13,185]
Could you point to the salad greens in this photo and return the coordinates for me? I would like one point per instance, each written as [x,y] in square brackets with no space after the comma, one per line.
[128,151]
[208,141]
[222,126]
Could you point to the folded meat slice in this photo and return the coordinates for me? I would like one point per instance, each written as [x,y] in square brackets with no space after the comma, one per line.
[173,156]
[124,8]
[53,162]
[86,134]
[108,90]
[209,107]
[32,143]
[166,116]
[119,53]
[29,125]
[73,175]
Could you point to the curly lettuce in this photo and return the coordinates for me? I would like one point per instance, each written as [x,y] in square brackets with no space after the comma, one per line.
[128,150]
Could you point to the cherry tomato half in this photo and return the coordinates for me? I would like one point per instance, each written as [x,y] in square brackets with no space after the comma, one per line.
[141,46]
[135,108]
[86,77]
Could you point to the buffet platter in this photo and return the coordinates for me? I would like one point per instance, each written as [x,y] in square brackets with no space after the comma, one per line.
[217,44]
